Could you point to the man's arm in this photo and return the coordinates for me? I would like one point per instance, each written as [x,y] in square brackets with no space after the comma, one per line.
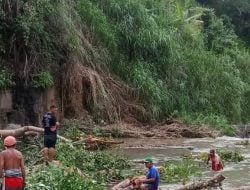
[53,128]
[57,124]
[1,165]
[23,169]
[53,124]
[221,164]
[153,175]
[151,180]
[208,158]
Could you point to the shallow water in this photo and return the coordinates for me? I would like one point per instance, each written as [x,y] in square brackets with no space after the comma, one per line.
[237,174]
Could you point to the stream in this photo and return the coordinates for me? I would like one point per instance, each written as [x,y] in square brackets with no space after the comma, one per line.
[237,174]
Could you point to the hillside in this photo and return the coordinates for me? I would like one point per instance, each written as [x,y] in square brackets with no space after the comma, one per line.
[148,60]
[159,65]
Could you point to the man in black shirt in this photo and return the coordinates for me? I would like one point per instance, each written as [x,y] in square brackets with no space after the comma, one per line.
[50,126]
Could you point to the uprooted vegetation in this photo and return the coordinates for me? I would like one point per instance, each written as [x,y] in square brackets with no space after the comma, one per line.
[79,168]
[76,167]
[107,98]
[167,129]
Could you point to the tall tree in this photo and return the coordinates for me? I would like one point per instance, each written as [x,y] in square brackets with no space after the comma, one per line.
[238,11]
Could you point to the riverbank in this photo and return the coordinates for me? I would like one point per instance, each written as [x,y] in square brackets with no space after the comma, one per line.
[174,150]
[133,129]
[158,141]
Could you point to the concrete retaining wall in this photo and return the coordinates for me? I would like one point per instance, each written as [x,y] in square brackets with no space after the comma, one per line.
[25,106]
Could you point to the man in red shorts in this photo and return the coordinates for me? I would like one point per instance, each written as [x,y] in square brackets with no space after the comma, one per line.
[216,164]
[12,164]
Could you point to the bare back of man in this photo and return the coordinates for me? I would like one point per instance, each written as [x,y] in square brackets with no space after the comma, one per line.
[12,159]
[13,165]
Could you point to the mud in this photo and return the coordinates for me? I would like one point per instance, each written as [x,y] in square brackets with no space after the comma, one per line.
[176,129]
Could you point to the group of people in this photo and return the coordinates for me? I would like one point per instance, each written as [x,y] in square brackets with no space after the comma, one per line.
[153,177]
[12,169]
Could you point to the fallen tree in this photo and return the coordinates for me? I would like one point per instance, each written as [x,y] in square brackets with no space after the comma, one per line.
[204,184]
[243,188]
[26,130]
[130,184]
[133,184]
[95,143]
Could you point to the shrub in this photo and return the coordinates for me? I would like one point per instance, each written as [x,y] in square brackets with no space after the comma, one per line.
[56,178]
[182,171]
[43,80]
[5,80]
[231,155]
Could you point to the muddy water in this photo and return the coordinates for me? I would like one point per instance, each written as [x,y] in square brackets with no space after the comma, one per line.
[168,149]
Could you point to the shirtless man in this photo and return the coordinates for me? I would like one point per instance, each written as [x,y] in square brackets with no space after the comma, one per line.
[216,163]
[12,166]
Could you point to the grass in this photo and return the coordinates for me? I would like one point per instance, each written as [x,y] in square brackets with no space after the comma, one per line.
[231,155]
[180,171]
[213,121]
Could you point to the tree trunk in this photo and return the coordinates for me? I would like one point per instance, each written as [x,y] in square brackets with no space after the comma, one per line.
[124,185]
[211,182]
[26,130]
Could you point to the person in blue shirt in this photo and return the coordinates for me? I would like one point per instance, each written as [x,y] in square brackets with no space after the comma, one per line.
[153,177]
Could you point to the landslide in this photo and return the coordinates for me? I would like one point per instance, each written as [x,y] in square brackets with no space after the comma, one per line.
[48,44]
[118,60]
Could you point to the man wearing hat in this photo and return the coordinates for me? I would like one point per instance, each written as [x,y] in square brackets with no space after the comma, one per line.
[12,164]
[153,177]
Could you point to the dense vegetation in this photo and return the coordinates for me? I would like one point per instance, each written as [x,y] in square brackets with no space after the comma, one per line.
[236,12]
[181,58]
[76,168]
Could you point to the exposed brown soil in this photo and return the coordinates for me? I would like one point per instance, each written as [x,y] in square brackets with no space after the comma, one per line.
[103,96]
[167,129]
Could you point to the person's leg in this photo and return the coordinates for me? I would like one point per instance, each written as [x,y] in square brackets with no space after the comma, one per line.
[46,154]
[52,153]
[46,149]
